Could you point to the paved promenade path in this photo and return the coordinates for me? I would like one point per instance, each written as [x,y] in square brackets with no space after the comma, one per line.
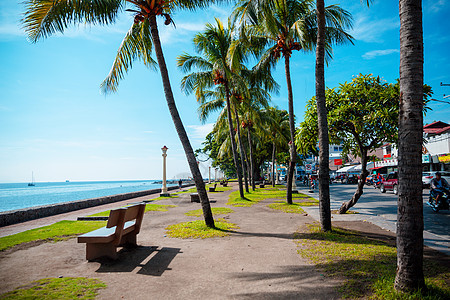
[258,261]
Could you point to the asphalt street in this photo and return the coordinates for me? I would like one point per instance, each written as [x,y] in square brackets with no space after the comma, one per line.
[381,210]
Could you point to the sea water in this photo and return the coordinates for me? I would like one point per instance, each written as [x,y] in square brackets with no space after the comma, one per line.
[20,195]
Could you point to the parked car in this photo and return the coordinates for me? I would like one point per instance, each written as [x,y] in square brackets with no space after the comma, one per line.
[340,178]
[390,183]
[428,176]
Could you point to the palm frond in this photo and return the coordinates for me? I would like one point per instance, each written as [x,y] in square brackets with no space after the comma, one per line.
[43,18]
[137,44]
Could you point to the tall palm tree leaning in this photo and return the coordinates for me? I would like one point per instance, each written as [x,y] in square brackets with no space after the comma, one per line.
[410,204]
[214,70]
[282,26]
[44,17]
[324,168]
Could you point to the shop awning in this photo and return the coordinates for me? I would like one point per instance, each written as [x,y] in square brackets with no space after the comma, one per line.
[376,168]
[346,169]
[359,167]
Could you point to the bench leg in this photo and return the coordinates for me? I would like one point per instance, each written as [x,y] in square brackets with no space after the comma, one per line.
[94,251]
[129,240]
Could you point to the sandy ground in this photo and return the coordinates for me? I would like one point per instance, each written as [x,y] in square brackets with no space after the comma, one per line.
[258,261]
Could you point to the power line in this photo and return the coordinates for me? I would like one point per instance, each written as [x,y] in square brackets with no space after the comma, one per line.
[448,102]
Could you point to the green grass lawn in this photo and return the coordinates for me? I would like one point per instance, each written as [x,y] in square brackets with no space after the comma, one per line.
[198,229]
[62,230]
[267,193]
[219,188]
[215,211]
[57,288]
[367,265]
[148,207]
[294,208]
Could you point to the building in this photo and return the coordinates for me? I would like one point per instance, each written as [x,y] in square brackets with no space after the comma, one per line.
[436,150]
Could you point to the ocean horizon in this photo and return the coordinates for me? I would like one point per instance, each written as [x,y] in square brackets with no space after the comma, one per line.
[19,195]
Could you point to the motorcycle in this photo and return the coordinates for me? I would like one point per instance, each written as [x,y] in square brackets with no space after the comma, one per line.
[443,202]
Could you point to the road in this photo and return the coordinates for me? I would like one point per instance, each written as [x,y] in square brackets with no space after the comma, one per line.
[381,209]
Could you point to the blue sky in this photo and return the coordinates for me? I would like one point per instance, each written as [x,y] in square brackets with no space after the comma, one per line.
[55,122]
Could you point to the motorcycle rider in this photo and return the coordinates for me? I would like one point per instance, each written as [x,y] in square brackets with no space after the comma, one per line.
[438,186]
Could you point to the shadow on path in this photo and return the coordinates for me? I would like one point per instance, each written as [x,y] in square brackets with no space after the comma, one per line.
[130,259]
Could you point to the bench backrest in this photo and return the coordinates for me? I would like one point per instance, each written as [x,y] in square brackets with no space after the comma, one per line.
[118,217]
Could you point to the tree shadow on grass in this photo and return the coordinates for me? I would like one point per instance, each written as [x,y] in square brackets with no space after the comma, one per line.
[365,260]
[130,259]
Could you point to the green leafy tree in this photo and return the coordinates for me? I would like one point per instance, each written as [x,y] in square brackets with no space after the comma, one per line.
[362,115]
[43,18]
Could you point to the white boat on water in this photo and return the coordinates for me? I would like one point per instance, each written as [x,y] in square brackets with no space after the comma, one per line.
[32,183]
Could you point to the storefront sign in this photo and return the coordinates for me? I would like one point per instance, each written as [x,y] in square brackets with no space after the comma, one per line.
[387,163]
[426,158]
[444,158]
[338,162]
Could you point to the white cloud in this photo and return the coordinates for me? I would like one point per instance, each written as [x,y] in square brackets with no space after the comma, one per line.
[201,131]
[375,53]
[435,6]
[182,33]
[11,30]
[372,31]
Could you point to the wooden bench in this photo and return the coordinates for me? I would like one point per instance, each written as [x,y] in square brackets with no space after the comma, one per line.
[195,197]
[213,188]
[121,230]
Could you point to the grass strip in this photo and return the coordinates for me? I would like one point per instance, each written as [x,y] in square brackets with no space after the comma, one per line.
[269,192]
[199,230]
[215,211]
[62,230]
[293,208]
[57,288]
[367,265]
[148,207]
[219,188]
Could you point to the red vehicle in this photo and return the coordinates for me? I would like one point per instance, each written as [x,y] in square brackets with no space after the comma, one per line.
[390,183]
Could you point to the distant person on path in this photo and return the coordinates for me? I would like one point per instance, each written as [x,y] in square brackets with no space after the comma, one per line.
[438,186]
[180,183]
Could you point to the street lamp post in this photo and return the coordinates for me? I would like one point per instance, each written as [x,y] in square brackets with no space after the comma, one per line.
[209,174]
[164,192]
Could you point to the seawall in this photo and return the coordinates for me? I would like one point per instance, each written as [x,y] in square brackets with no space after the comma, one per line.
[21,215]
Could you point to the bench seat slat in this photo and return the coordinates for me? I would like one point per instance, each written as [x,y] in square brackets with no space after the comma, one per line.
[104,235]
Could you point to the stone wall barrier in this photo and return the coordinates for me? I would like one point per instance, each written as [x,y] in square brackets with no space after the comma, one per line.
[26,214]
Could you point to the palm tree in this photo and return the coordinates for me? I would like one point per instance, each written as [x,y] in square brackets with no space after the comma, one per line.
[256,97]
[277,124]
[43,18]
[324,168]
[282,26]
[215,69]
[410,204]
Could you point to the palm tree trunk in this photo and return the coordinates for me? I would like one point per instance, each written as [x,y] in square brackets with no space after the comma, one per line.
[359,190]
[207,214]
[249,137]
[241,149]
[324,156]
[273,164]
[292,150]
[410,204]
[233,142]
